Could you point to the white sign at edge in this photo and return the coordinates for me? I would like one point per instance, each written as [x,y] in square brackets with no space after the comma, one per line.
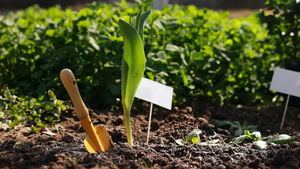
[286,81]
[155,93]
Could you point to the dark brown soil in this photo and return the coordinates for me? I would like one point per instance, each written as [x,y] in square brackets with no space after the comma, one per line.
[19,149]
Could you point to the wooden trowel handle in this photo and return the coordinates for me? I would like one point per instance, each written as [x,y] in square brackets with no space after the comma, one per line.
[70,84]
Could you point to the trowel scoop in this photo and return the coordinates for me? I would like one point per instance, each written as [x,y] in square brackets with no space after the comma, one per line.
[97,139]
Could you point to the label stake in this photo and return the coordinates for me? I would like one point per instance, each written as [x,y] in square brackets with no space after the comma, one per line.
[149,125]
[284,113]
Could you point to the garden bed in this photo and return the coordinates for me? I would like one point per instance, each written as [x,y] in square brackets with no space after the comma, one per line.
[65,149]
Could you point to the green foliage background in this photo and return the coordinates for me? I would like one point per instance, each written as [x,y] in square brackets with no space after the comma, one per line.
[202,54]
[284,27]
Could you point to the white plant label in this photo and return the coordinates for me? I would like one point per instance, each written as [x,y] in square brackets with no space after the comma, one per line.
[155,92]
[286,81]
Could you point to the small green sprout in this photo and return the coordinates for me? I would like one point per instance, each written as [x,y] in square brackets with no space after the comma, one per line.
[236,126]
[194,138]
[261,142]
[33,129]
[133,64]
[18,144]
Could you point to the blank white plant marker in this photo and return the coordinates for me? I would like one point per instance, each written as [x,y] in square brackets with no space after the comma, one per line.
[156,93]
[287,82]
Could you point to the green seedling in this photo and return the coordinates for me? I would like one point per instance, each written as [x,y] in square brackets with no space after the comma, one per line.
[247,136]
[133,64]
[194,138]
[18,144]
[33,129]
[262,142]
[236,126]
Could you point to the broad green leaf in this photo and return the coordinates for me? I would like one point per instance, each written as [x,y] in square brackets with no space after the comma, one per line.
[84,24]
[198,56]
[133,66]
[133,63]
[281,139]
[85,12]
[50,32]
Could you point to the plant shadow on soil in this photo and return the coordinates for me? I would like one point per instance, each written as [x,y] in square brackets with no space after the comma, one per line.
[19,149]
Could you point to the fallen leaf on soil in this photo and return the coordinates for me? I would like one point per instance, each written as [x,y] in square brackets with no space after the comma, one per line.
[47,131]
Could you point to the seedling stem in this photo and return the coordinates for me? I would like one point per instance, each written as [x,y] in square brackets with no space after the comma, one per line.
[128,128]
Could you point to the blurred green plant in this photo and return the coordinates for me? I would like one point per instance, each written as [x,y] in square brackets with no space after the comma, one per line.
[236,126]
[204,55]
[260,142]
[40,112]
[284,26]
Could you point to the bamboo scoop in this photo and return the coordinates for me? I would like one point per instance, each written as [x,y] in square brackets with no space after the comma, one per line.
[97,138]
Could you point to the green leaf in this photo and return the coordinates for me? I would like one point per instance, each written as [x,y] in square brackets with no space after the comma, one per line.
[239,132]
[281,139]
[84,24]
[133,67]
[133,63]
[32,129]
[251,127]
[50,32]
[85,12]
[218,123]
[194,136]
[141,22]
[247,133]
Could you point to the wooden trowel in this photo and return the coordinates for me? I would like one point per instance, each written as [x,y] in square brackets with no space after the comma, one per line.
[97,138]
